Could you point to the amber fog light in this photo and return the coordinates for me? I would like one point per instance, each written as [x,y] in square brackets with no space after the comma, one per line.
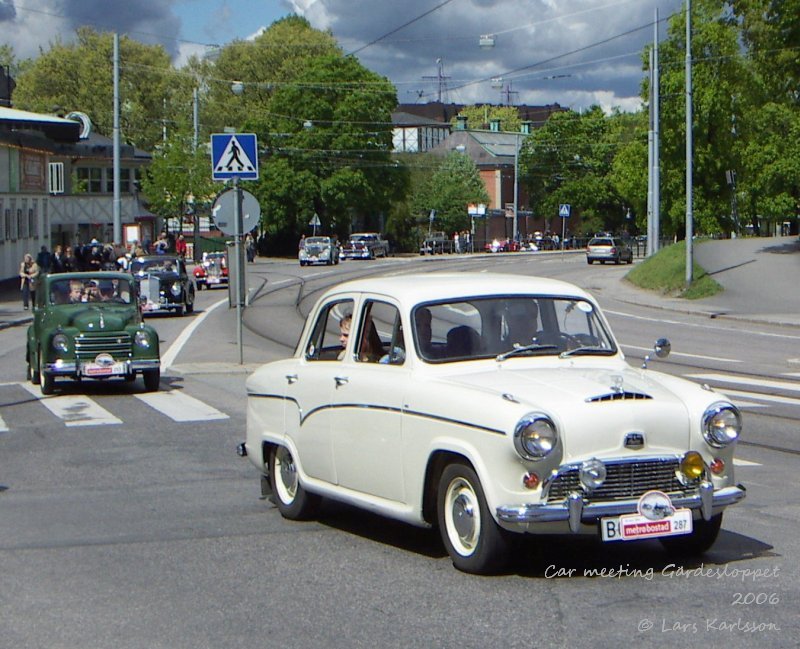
[531,480]
[717,466]
[692,465]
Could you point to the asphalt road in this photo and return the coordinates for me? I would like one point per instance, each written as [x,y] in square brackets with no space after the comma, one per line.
[150,532]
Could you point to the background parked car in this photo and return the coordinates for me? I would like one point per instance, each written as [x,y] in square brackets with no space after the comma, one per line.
[365,245]
[605,249]
[436,243]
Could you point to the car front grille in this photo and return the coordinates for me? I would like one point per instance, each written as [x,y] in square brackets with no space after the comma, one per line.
[88,346]
[624,480]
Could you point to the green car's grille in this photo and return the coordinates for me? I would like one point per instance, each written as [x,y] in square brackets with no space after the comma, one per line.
[624,480]
[88,346]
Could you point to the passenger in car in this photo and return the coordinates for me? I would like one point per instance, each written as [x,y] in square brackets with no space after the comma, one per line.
[462,341]
[371,347]
[344,332]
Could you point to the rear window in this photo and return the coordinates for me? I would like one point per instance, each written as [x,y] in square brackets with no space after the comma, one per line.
[601,242]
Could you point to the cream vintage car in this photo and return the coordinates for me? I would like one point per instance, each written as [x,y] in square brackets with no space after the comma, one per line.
[489,405]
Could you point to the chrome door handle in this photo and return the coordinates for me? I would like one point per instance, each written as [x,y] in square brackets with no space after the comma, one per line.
[291,378]
[341,380]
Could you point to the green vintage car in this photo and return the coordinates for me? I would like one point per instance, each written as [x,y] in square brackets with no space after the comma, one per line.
[89,326]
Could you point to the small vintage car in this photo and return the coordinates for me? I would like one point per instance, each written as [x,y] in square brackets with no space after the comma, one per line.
[163,284]
[365,245]
[89,326]
[319,250]
[212,270]
[489,405]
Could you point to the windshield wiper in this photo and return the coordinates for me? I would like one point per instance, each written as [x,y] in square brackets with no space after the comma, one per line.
[521,349]
[587,351]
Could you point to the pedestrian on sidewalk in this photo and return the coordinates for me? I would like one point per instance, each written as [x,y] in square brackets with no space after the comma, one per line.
[29,275]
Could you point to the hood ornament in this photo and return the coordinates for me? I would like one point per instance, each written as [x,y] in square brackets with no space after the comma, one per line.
[616,385]
[102,321]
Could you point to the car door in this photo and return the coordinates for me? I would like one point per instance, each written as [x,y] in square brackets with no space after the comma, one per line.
[309,388]
[367,401]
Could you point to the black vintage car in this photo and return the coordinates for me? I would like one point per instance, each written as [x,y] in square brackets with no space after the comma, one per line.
[163,284]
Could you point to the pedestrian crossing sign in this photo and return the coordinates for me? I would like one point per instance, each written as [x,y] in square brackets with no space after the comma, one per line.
[564,209]
[234,155]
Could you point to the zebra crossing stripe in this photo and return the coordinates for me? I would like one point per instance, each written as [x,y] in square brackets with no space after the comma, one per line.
[3,427]
[733,394]
[791,386]
[180,407]
[74,410]
[738,462]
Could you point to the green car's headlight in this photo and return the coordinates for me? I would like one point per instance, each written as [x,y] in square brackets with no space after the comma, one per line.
[535,436]
[722,424]
[60,343]
[142,339]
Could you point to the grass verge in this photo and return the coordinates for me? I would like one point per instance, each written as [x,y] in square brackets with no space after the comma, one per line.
[665,272]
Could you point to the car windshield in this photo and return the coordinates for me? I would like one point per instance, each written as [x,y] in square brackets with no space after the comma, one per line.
[101,289]
[503,327]
[145,266]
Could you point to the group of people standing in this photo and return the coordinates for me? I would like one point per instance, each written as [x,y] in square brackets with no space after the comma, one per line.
[92,256]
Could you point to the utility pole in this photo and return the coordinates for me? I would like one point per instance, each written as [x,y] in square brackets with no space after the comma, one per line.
[689,148]
[115,203]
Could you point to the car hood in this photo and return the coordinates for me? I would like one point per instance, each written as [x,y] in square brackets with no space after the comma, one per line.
[596,408]
[93,318]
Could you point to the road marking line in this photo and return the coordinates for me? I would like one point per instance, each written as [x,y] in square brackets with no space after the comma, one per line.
[168,358]
[761,397]
[180,407]
[707,358]
[747,405]
[74,410]
[739,380]
[738,462]
[3,427]
[665,321]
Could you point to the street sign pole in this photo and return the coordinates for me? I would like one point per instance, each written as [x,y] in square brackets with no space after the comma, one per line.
[235,156]
[240,283]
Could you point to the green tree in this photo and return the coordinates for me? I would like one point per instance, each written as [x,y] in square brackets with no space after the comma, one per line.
[479,117]
[569,160]
[449,190]
[721,82]
[79,76]
[178,180]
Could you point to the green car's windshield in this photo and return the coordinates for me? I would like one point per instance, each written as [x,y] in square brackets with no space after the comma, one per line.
[95,290]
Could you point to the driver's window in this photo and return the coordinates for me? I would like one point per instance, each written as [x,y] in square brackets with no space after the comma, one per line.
[331,333]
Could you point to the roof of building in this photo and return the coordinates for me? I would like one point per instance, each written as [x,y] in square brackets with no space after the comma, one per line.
[486,148]
[55,128]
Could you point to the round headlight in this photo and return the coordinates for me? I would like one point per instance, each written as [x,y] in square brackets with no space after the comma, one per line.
[175,289]
[592,473]
[60,343]
[722,424]
[142,339]
[535,436]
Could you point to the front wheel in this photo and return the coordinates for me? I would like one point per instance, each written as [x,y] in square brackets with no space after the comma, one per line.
[46,380]
[474,541]
[291,498]
[701,539]
[151,379]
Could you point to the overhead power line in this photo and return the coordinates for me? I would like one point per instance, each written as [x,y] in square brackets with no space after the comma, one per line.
[403,26]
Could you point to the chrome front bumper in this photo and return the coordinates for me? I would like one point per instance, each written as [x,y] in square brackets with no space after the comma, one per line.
[73,368]
[577,511]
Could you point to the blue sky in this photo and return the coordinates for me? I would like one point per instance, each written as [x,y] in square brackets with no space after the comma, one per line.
[576,53]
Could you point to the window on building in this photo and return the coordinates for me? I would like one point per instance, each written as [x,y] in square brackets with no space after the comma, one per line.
[90,179]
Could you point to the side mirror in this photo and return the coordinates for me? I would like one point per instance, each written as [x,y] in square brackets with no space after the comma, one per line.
[662,348]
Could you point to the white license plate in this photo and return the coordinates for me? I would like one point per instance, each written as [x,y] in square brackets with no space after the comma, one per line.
[213,280]
[94,369]
[632,527]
